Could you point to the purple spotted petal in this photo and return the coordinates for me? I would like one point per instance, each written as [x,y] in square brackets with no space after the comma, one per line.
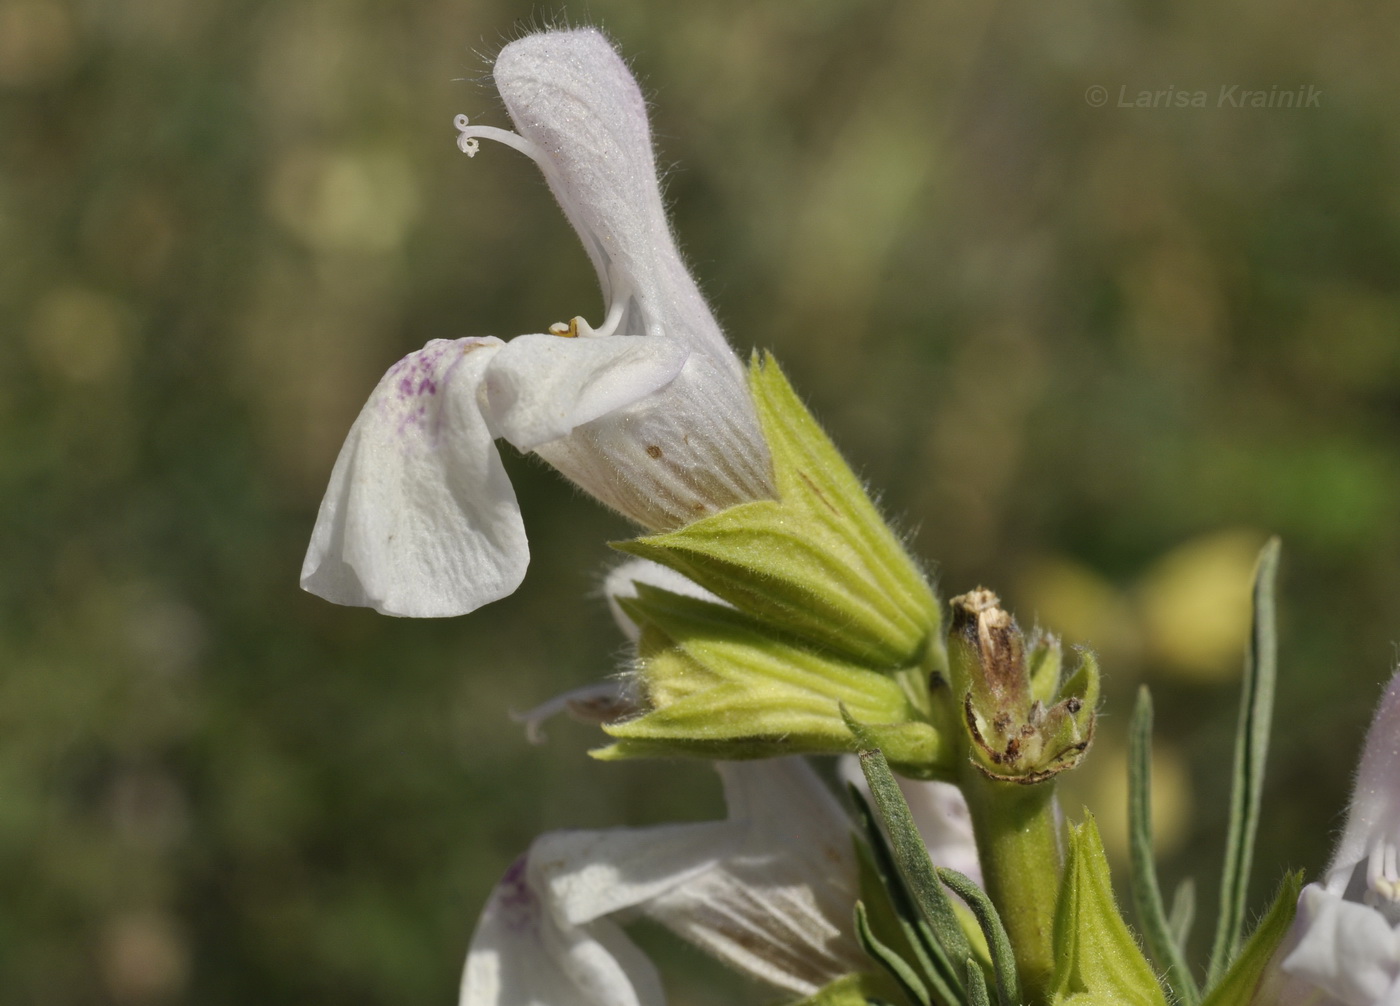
[419,518]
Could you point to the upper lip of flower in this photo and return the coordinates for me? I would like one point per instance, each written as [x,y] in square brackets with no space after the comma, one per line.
[580,116]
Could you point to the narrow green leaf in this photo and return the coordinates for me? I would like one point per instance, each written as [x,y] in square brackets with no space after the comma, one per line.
[1097,961]
[889,959]
[1251,749]
[891,909]
[911,856]
[998,944]
[1183,913]
[1147,894]
[1238,985]
[976,986]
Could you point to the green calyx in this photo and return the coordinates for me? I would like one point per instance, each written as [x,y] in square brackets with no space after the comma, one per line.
[822,607]
[818,561]
[719,683]
[1098,961]
[1024,724]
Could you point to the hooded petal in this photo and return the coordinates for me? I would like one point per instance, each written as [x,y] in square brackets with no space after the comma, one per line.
[420,518]
[694,446]
[522,954]
[572,97]
[540,387]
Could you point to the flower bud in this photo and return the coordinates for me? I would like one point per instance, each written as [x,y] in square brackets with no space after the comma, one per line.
[1024,726]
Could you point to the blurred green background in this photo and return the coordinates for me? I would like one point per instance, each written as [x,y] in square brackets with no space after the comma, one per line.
[1091,356]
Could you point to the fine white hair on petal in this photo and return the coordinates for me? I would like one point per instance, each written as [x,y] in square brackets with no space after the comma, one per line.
[540,387]
[420,518]
[571,95]
[592,874]
[693,446]
[1375,803]
[622,580]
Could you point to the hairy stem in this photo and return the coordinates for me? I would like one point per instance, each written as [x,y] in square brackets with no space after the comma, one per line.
[1020,854]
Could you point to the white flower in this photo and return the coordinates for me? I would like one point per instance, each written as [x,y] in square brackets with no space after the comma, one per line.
[769,891]
[650,412]
[1344,948]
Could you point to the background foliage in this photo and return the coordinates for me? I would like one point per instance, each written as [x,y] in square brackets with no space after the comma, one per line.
[1090,355]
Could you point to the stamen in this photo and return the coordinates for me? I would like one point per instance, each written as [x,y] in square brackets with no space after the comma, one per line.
[615,308]
[1383,875]
[468,136]
[578,328]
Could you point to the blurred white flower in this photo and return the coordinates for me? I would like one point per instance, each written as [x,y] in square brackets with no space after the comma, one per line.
[650,412]
[770,891]
[1344,947]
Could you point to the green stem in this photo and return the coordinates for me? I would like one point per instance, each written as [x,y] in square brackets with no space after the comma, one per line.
[1020,856]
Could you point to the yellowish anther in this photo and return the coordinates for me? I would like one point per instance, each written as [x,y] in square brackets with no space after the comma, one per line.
[565,330]
[1383,874]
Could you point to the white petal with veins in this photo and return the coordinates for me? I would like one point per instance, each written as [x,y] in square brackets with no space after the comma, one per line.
[420,518]
[522,955]
[770,890]
[650,413]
